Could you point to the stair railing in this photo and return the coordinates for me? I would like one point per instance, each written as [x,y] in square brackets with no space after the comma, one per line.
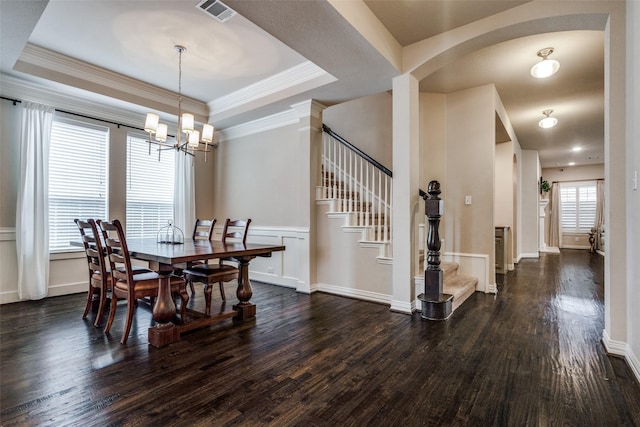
[360,184]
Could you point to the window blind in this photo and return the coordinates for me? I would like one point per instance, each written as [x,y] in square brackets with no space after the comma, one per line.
[149,188]
[78,180]
[578,206]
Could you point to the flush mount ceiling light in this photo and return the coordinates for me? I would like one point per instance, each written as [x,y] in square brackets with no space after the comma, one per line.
[547,122]
[546,67]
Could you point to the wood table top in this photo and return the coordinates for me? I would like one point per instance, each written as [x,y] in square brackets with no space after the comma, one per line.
[192,250]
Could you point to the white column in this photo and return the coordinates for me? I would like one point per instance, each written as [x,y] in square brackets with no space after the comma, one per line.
[310,139]
[406,145]
[542,246]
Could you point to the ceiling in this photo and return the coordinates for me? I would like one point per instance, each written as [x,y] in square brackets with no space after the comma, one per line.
[273,54]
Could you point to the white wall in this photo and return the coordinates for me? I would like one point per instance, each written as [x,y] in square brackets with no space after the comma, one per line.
[470,171]
[530,195]
[366,123]
[633,195]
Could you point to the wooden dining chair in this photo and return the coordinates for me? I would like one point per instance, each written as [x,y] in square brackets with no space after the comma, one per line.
[127,285]
[222,271]
[202,230]
[99,275]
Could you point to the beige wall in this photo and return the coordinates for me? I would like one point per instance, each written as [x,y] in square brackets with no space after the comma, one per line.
[366,123]
[573,173]
[529,226]
[470,172]
[256,177]
[633,195]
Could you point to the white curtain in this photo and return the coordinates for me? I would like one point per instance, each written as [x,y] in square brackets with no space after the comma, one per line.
[555,231]
[184,194]
[599,211]
[32,211]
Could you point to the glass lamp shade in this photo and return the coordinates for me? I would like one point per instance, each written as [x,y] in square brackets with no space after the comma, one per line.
[194,139]
[151,123]
[207,133]
[548,122]
[161,132]
[187,123]
[545,68]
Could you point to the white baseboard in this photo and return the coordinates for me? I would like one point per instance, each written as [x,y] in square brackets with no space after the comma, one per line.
[620,348]
[354,293]
[550,250]
[273,279]
[402,307]
[530,255]
[575,247]
[53,291]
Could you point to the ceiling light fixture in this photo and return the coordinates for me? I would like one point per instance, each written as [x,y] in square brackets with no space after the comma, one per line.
[546,67]
[547,122]
[194,139]
[576,149]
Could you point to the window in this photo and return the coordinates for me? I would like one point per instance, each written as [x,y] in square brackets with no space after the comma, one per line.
[149,188]
[78,180]
[578,205]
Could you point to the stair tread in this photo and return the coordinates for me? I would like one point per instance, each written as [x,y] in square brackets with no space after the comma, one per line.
[461,287]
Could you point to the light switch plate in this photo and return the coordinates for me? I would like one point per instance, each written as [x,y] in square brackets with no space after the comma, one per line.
[467,200]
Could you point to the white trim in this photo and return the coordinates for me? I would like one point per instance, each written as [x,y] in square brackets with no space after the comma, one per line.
[274,279]
[575,247]
[620,348]
[614,347]
[7,234]
[476,265]
[529,255]
[354,293]
[634,363]
[67,289]
[550,250]
[297,79]
[402,307]
[274,121]
[133,90]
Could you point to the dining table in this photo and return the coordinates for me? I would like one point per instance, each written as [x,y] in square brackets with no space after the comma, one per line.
[165,258]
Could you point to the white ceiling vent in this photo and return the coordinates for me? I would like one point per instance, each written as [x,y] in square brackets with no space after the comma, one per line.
[217,9]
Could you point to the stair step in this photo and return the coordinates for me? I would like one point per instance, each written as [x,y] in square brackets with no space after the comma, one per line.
[461,287]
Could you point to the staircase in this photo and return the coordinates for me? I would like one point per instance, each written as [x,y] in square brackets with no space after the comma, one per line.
[357,189]
[459,286]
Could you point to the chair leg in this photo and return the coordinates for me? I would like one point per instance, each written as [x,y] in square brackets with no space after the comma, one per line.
[128,321]
[224,298]
[184,296]
[89,302]
[112,312]
[193,290]
[207,299]
[103,302]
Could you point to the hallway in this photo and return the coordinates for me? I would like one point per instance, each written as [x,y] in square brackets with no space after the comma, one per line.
[530,355]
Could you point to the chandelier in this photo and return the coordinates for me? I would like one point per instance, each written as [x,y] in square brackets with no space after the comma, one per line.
[194,140]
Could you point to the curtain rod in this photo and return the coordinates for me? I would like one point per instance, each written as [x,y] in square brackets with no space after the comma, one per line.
[16,101]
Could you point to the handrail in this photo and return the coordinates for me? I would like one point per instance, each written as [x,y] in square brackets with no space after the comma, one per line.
[361,153]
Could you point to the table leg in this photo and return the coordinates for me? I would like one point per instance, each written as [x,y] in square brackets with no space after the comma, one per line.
[245,308]
[164,332]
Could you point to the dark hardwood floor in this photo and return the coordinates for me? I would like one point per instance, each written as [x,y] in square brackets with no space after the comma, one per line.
[529,356]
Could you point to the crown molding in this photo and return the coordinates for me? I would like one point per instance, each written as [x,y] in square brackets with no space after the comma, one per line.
[274,121]
[47,64]
[295,80]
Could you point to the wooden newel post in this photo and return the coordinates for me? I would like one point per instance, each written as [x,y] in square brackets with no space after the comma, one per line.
[436,305]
